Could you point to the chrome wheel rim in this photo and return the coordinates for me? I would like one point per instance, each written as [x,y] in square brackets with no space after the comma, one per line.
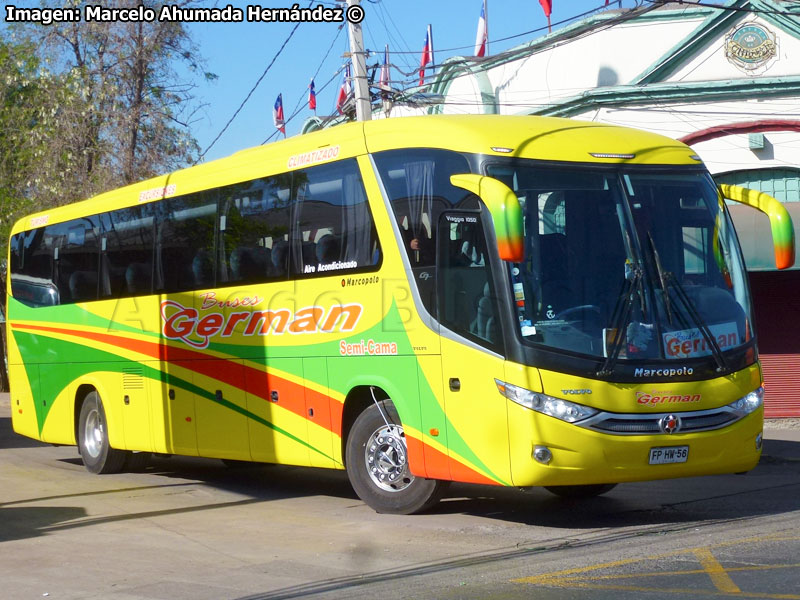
[93,433]
[387,459]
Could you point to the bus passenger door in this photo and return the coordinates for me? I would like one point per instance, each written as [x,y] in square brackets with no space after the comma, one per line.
[477,421]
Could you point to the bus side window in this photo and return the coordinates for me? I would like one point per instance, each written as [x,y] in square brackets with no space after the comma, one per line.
[126,262]
[417,183]
[75,258]
[254,221]
[333,230]
[467,303]
[185,243]
[31,270]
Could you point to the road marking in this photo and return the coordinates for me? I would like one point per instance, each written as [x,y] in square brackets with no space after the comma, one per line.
[719,577]
[588,578]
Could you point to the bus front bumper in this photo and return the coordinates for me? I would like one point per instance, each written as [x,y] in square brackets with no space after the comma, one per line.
[553,452]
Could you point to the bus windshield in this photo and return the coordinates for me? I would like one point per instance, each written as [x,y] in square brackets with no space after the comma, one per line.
[626,265]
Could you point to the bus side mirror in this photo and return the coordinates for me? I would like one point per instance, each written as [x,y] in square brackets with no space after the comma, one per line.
[779,219]
[504,208]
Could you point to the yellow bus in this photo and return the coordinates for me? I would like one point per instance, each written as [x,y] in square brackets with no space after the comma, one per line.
[497,300]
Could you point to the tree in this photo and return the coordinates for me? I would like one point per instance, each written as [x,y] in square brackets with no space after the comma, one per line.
[88,106]
[134,107]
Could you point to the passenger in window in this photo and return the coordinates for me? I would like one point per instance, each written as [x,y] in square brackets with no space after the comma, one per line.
[421,248]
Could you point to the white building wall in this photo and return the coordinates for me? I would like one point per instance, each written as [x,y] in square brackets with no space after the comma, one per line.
[602,58]
[711,64]
[608,57]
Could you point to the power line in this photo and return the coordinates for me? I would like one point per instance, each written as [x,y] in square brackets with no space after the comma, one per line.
[250,93]
[297,107]
[516,35]
[745,9]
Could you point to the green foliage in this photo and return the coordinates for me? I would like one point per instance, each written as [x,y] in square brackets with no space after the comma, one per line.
[86,107]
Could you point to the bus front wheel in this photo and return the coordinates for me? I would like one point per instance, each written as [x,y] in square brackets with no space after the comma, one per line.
[377,465]
[97,454]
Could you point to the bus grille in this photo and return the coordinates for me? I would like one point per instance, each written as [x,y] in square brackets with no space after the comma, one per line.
[690,422]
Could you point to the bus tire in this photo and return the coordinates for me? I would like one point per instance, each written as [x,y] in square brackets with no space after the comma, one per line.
[97,454]
[377,465]
[137,461]
[576,492]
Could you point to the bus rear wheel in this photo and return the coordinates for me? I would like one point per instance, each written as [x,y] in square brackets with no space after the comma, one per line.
[97,454]
[577,492]
[377,465]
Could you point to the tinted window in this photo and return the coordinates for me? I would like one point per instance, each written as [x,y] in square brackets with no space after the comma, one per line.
[32,269]
[333,227]
[59,263]
[184,251]
[418,184]
[314,221]
[126,264]
[254,221]
[467,302]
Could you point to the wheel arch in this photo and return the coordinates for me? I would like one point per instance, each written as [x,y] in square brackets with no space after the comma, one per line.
[83,390]
[356,402]
[360,397]
[94,383]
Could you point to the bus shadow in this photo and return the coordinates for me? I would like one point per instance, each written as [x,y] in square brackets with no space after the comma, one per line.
[9,439]
[23,522]
[771,488]
[259,481]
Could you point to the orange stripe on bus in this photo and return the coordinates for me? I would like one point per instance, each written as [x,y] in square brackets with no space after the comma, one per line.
[438,465]
[257,382]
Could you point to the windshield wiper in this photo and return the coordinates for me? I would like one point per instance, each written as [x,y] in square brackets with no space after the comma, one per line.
[716,351]
[620,318]
[667,279]
[661,278]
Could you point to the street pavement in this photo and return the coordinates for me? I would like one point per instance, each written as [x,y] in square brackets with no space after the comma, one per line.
[193,529]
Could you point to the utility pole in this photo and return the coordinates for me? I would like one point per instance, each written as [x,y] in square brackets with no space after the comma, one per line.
[358,56]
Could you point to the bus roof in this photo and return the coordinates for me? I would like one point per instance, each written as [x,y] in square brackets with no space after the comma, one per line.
[543,138]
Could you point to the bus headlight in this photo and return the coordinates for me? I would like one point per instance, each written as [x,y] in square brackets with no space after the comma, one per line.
[749,403]
[547,405]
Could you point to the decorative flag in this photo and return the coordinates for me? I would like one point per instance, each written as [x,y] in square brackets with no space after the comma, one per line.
[482,37]
[277,115]
[547,7]
[312,96]
[383,84]
[427,55]
[344,91]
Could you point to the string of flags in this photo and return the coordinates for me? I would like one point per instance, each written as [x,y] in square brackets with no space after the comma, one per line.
[344,90]
[547,7]
[312,96]
[482,36]
[427,55]
[277,115]
[481,49]
[383,81]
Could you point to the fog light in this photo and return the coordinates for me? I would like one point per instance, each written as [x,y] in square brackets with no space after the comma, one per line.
[542,454]
[759,441]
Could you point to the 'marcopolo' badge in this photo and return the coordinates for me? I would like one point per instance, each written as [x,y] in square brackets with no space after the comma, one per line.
[751,47]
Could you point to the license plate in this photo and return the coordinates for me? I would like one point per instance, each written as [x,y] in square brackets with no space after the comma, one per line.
[669,454]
